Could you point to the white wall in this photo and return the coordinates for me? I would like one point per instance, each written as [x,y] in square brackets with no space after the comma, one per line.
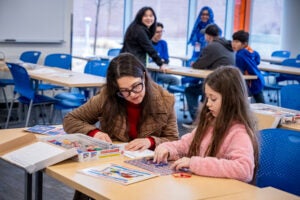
[13,50]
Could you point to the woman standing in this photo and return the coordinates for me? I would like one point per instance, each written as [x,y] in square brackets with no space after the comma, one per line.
[197,39]
[139,34]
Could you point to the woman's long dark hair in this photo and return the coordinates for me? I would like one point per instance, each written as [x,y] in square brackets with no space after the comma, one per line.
[138,20]
[227,81]
[123,65]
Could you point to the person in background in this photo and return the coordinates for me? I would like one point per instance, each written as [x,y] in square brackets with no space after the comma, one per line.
[217,53]
[197,38]
[247,60]
[161,47]
[224,144]
[138,37]
[131,107]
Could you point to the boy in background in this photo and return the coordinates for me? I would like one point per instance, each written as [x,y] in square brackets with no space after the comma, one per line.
[161,46]
[247,60]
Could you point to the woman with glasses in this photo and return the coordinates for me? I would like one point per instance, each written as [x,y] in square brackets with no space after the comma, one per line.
[130,108]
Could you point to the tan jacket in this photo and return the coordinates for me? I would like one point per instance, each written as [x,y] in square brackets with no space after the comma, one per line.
[82,119]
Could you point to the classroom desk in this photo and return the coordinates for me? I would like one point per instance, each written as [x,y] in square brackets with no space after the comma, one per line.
[65,77]
[28,182]
[268,116]
[183,59]
[162,187]
[96,57]
[279,69]
[273,59]
[60,76]
[187,71]
[259,194]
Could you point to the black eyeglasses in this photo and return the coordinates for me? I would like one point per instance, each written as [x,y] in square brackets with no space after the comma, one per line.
[135,89]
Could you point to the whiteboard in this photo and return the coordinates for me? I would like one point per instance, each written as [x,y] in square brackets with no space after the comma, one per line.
[32,20]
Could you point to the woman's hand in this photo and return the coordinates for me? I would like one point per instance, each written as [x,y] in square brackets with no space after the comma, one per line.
[161,155]
[103,136]
[138,144]
[181,163]
[163,68]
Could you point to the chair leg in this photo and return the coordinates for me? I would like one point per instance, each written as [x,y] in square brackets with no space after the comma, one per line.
[5,98]
[42,113]
[9,112]
[28,113]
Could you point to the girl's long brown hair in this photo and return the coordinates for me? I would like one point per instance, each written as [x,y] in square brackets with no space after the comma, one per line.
[235,107]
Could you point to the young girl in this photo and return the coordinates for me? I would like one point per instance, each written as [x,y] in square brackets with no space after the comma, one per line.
[130,108]
[224,143]
[138,36]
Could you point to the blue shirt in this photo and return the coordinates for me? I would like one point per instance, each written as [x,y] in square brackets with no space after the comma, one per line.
[162,49]
[247,61]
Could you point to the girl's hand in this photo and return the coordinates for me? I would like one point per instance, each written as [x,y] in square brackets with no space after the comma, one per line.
[161,155]
[103,136]
[138,144]
[181,163]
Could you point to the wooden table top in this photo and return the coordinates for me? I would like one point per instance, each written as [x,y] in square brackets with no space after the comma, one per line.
[60,76]
[259,194]
[279,68]
[187,71]
[161,187]
[273,59]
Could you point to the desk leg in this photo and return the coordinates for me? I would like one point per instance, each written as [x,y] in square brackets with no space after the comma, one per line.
[39,185]
[28,186]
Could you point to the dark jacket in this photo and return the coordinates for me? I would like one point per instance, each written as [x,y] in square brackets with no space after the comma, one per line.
[247,61]
[217,53]
[138,42]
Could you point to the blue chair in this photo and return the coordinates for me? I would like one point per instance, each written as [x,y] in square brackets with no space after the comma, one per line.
[279,160]
[113,52]
[281,53]
[290,96]
[291,62]
[63,61]
[298,57]
[30,56]
[180,89]
[275,87]
[96,67]
[25,92]
[60,60]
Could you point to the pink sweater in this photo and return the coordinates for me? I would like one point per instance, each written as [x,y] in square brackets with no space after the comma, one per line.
[235,158]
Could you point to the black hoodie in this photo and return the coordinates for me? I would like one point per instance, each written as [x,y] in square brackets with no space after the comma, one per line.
[217,53]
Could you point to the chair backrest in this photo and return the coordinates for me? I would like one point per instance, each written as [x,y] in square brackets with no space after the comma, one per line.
[23,83]
[290,97]
[30,56]
[279,160]
[281,53]
[96,67]
[60,60]
[113,52]
[293,62]
[298,57]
